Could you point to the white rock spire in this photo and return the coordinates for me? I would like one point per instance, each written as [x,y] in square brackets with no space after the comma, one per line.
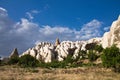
[113,36]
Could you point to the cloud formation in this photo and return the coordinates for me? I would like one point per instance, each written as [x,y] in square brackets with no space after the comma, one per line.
[106,28]
[90,30]
[24,34]
[30,15]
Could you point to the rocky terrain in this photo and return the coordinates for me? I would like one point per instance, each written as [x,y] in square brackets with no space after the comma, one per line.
[113,36]
[48,52]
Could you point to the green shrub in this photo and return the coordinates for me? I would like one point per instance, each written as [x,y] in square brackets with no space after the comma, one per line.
[0,62]
[13,60]
[68,62]
[69,59]
[111,57]
[92,56]
[53,64]
[99,48]
[28,61]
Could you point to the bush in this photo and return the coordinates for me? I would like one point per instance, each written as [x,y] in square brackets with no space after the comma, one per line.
[68,62]
[92,56]
[111,57]
[99,48]
[81,55]
[13,60]
[28,61]
[0,62]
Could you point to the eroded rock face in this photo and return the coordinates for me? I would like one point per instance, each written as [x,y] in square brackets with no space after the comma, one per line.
[113,36]
[57,42]
[14,53]
[43,51]
[47,52]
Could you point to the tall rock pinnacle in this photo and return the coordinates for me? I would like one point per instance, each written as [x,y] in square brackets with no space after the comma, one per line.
[57,42]
[48,52]
[14,53]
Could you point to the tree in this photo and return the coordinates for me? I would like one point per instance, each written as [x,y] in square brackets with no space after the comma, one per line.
[13,60]
[28,61]
[0,60]
[111,57]
[92,56]
[99,48]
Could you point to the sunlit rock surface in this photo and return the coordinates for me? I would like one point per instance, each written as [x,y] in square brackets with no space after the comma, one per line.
[113,36]
[47,52]
[14,53]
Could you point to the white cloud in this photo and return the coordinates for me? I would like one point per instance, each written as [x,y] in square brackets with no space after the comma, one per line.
[24,34]
[90,30]
[25,25]
[30,15]
[48,30]
[35,11]
[106,28]
[3,12]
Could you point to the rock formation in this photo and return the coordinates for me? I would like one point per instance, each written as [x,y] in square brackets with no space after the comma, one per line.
[47,52]
[57,42]
[113,36]
[14,53]
[43,51]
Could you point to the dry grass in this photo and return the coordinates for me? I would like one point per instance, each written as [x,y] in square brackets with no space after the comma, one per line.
[81,73]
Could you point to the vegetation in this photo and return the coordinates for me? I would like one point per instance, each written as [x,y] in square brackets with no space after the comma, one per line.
[0,60]
[68,62]
[14,72]
[13,60]
[111,58]
[28,61]
[98,48]
[92,55]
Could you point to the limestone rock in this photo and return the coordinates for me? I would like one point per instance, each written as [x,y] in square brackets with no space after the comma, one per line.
[57,42]
[43,51]
[14,53]
[113,36]
[47,52]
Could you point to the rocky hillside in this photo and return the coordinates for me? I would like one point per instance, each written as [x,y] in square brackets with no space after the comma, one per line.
[113,36]
[48,52]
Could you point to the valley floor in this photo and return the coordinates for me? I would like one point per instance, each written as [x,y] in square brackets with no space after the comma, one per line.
[82,73]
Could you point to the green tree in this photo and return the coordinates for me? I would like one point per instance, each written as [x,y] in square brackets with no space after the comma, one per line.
[99,48]
[13,60]
[28,61]
[92,56]
[111,57]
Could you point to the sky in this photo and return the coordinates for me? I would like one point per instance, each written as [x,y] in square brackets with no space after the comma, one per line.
[23,23]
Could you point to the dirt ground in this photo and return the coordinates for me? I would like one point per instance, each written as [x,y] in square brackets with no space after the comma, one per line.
[82,73]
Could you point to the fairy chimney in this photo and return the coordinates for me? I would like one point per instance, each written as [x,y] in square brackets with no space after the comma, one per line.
[14,53]
[57,42]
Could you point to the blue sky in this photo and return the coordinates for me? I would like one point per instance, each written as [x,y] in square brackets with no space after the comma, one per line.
[73,13]
[25,22]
